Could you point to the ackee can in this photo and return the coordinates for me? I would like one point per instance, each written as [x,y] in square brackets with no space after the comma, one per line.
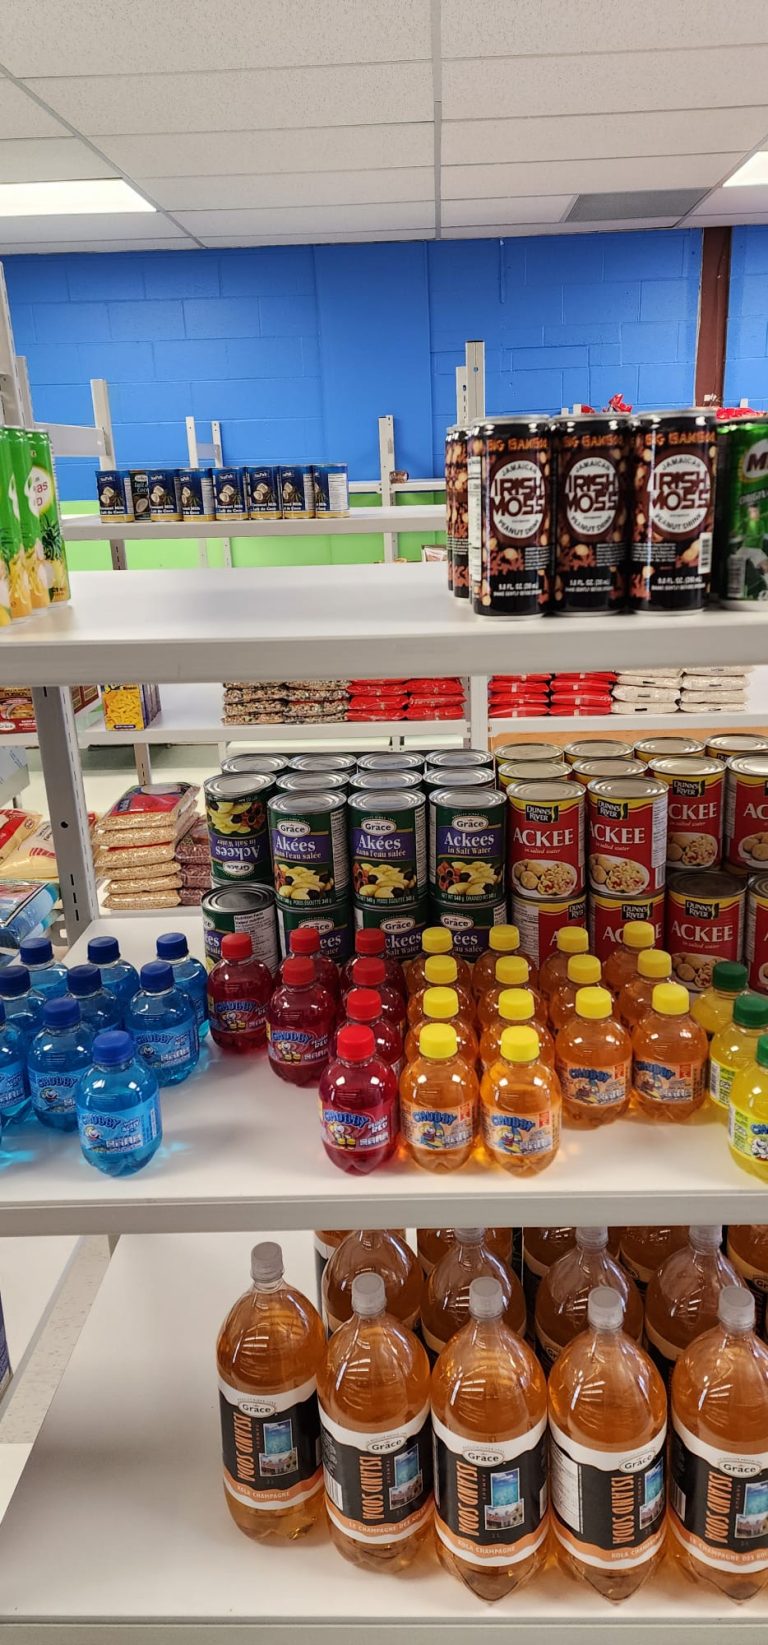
[308,838]
[728,745]
[607,916]
[662,748]
[330,485]
[741,542]
[262,492]
[324,762]
[392,760]
[469,927]
[456,512]
[164,494]
[467,838]
[673,511]
[264,765]
[627,835]
[235,808]
[402,926]
[510,516]
[372,782]
[598,748]
[296,491]
[388,846]
[532,771]
[705,923]
[546,840]
[539,922]
[248,908]
[333,925]
[746,814]
[196,494]
[593,498]
[584,771]
[307,782]
[477,777]
[696,788]
[756,934]
[456,759]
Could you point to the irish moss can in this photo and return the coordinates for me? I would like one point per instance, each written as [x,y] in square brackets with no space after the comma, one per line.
[333,925]
[248,908]
[467,846]
[308,838]
[388,846]
[742,512]
[593,494]
[510,516]
[402,926]
[673,514]
[469,927]
[236,809]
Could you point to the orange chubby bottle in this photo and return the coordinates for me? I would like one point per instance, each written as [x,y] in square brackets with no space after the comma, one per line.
[436,939]
[669,1057]
[593,1060]
[520,1105]
[621,965]
[517,1008]
[583,971]
[512,971]
[502,940]
[440,971]
[634,1002]
[570,939]
[438,1101]
[442,1005]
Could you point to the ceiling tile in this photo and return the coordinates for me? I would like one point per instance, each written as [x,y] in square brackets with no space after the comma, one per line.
[21,116]
[120,226]
[526,209]
[318,148]
[597,136]
[553,27]
[501,87]
[585,176]
[363,235]
[220,101]
[522,230]
[309,219]
[734,203]
[296,189]
[697,219]
[40,248]
[49,160]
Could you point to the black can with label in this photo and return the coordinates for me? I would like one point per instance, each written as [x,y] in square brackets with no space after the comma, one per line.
[456,517]
[262,493]
[673,511]
[139,479]
[592,510]
[229,494]
[196,489]
[296,491]
[510,516]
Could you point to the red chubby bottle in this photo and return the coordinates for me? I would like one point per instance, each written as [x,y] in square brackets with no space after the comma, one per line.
[371,944]
[371,973]
[358,1102]
[301,1017]
[239,989]
[304,942]
[363,1005]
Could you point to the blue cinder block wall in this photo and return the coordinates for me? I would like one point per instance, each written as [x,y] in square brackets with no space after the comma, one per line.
[298,349]
[746,374]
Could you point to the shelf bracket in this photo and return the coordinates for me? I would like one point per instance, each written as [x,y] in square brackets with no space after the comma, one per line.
[386,468]
[66,806]
[478,710]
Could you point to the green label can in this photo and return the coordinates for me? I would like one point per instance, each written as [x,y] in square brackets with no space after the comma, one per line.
[467,832]
[14,589]
[743,520]
[31,537]
[237,827]
[388,846]
[332,924]
[41,491]
[308,837]
[248,908]
[469,927]
[402,926]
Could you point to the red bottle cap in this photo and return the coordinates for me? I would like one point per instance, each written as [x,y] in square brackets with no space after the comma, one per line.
[370,941]
[306,940]
[368,973]
[355,1044]
[298,972]
[237,946]
[363,1005]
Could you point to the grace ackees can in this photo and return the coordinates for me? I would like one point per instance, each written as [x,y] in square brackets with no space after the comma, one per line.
[456,512]
[333,925]
[308,839]
[705,923]
[746,814]
[236,811]
[674,496]
[469,927]
[627,835]
[402,926]
[388,846]
[467,841]
[248,908]
[510,516]
[593,497]
[308,782]
[372,782]
[265,765]
[696,788]
[546,840]
[756,934]
[477,777]
[539,922]
[608,915]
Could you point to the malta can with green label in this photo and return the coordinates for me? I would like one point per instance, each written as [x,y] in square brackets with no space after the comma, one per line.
[41,492]
[29,522]
[15,600]
[743,516]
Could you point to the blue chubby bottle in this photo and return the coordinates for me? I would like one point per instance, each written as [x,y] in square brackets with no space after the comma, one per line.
[118,977]
[14,1084]
[188,974]
[162,1022]
[58,1058]
[118,1107]
[22,1007]
[98,1009]
[47,975]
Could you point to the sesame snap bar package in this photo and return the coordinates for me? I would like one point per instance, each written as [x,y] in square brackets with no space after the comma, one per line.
[154,871]
[133,854]
[142,899]
[150,806]
[152,888]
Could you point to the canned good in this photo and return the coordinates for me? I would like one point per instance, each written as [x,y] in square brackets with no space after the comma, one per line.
[394,760]
[469,927]
[35,563]
[332,923]
[746,814]
[539,922]
[546,840]
[15,598]
[388,846]
[662,748]
[515,753]
[730,744]
[230,497]
[307,782]
[594,493]
[586,770]
[627,835]
[296,491]
[40,488]
[456,511]
[164,494]
[598,748]
[756,934]
[139,479]
[705,922]
[235,807]
[402,927]
[467,829]
[264,765]
[742,512]
[457,759]
[608,915]
[477,776]
[673,511]
[330,484]
[371,782]
[696,788]
[248,908]
[262,492]
[324,762]
[308,836]
[196,494]
[529,771]
[509,488]
[114,494]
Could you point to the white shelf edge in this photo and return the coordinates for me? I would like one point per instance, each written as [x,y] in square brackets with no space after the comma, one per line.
[85,528]
[637,724]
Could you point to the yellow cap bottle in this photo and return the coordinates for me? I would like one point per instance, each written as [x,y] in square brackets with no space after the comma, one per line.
[594,1004]
[593,1059]
[638,934]
[669,1056]
[438,1041]
[440,1004]
[621,964]
[671,999]
[502,939]
[516,1005]
[440,971]
[435,939]
[654,962]
[519,1045]
[520,1105]
[570,939]
[439,1096]
[582,971]
[443,1005]
[634,1002]
[512,971]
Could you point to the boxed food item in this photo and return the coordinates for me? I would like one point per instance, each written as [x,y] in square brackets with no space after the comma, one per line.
[23,907]
[129,707]
[150,807]
[17,712]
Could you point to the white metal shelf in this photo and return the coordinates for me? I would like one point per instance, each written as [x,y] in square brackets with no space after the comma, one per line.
[89,528]
[123,1494]
[583,725]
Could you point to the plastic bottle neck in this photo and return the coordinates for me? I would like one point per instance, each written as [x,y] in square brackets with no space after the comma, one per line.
[267,1288]
[114,1067]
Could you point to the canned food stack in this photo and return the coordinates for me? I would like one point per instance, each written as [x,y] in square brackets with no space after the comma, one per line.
[33,563]
[250,491]
[135,845]
[467,848]
[545,844]
[309,852]
[387,826]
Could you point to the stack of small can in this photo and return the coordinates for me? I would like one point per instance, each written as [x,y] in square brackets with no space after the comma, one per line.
[287,491]
[33,564]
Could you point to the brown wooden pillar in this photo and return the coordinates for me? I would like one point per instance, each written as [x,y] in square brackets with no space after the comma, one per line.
[713,316]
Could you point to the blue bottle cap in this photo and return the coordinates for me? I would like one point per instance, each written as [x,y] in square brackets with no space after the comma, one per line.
[103,950]
[113,1046]
[156,977]
[63,1012]
[84,980]
[14,980]
[36,950]
[172,945]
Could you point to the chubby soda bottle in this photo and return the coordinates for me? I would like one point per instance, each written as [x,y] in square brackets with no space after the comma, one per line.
[432,1244]
[301,1016]
[442,1005]
[747,1246]
[570,939]
[669,1056]
[583,971]
[512,971]
[372,973]
[714,1008]
[435,939]
[371,944]
[516,1009]
[634,1002]
[445,1303]
[440,971]
[239,991]
[621,964]
[363,1008]
[439,1096]
[373,1250]
[733,1047]
[520,1105]
[118,1107]
[593,1061]
[358,1103]
[561,1300]
[682,1297]
[748,1114]
[502,940]
[305,941]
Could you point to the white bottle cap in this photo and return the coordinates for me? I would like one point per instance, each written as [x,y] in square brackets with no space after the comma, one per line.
[592,1239]
[369,1296]
[705,1238]
[266,1263]
[736,1308]
[605,1308]
[469,1236]
[486,1298]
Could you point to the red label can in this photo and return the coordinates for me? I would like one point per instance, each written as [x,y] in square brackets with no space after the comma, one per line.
[746,814]
[539,922]
[591,527]
[510,526]
[546,839]
[627,835]
[607,915]
[696,787]
[756,938]
[705,922]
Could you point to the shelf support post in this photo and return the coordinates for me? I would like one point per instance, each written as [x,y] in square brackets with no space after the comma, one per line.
[218,458]
[478,710]
[386,466]
[66,806]
[102,417]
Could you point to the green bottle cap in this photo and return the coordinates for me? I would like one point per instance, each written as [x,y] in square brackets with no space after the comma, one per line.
[762,1051]
[729,976]
[751,1011]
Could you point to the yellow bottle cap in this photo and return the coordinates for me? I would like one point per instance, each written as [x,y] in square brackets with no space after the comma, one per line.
[441,1004]
[654,962]
[438,1041]
[519,1045]
[670,998]
[584,969]
[512,971]
[593,1003]
[504,939]
[516,1004]
[572,939]
[638,934]
[436,940]
[441,970]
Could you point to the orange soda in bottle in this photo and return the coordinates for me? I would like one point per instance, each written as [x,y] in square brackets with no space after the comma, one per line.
[642,1251]
[435,939]
[372,1250]
[445,1304]
[516,1007]
[593,1061]
[561,1300]
[432,1244]
[747,1246]
[512,971]
[582,971]
[520,1105]
[442,1005]
[634,1002]
[714,1008]
[439,1096]
[440,971]
[669,1056]
[503,940]
[621,964]
[541,1247]
[570,939]
[682,1297]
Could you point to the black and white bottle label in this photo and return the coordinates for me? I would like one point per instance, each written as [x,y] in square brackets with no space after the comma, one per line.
[608,1506]
[491,1499]
[718,1502]
[270,1445]
[378,1486]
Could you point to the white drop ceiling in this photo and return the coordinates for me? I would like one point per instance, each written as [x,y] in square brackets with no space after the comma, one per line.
[253,122]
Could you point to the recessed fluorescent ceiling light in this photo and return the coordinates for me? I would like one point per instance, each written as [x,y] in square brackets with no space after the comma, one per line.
[108,194]
[753,171]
